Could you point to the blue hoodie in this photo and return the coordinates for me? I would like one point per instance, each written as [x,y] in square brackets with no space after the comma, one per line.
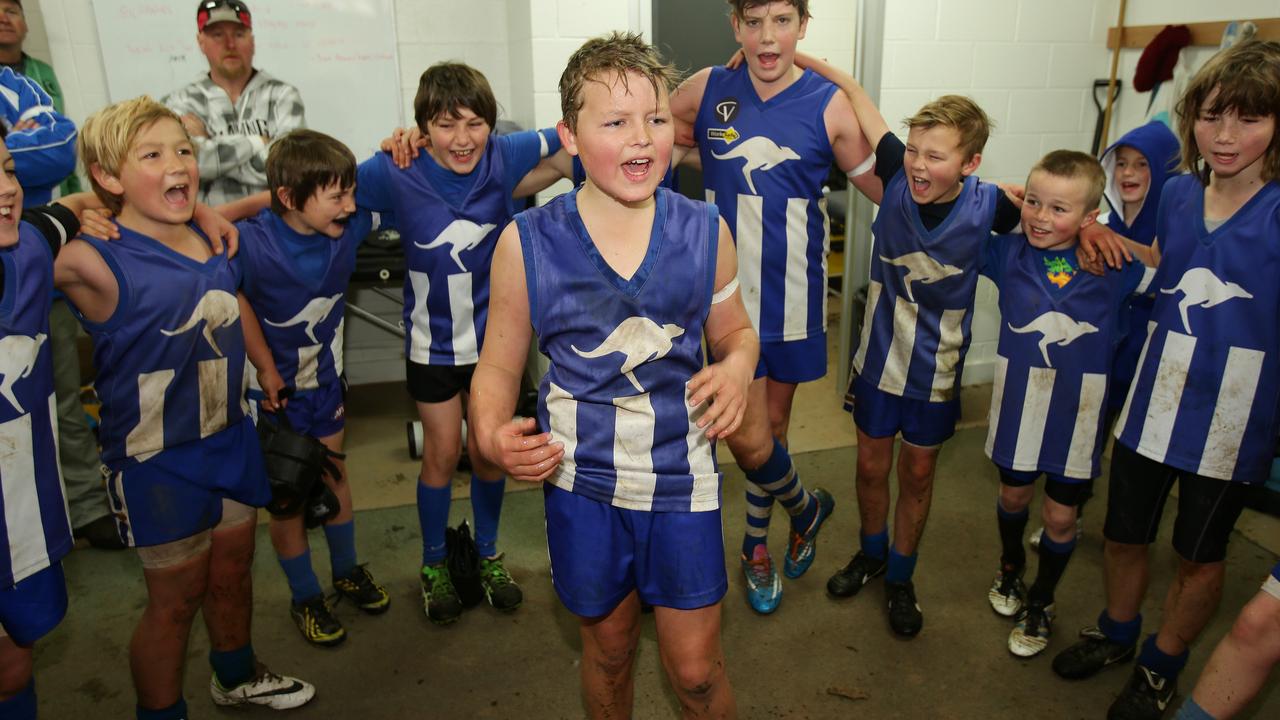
[1160,146]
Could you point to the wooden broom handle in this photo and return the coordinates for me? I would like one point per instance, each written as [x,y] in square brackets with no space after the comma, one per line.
[1111,84]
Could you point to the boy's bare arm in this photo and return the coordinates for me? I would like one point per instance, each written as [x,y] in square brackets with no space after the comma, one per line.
[255,346]
[735,345]
[547,172]
[81,273]
[687,98]
[245,207]
[853,154]
[511,443]
[873,125]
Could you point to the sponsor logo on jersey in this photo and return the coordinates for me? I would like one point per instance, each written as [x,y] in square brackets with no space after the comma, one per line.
[728,135]
[727,109]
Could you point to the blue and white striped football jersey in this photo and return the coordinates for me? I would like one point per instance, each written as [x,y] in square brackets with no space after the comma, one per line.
[301,317]
[764,164]
[34,525]
[1206,398]
[171,357]
[1052,363]
[622,351]
[448,253]
[915,331]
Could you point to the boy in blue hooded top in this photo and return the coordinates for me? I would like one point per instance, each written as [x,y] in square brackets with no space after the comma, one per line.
[1137,166]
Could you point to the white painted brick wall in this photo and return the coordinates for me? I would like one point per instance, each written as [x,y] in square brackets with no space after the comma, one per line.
[1029,63]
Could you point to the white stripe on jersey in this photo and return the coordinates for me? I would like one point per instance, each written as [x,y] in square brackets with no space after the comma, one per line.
[893,377]
[873,297]
[308,366]
[950,338]
[702,463]
[466,351]
[634,425]
[1035,413]
[1166,395]
[1093,391]
[335,348]
[21,501]
[1142,358]
[997,401]
[795,298]
[562,411]
[826,252]
[750,226]
[213,395]
[1231,413]
[147,437]
[420,318]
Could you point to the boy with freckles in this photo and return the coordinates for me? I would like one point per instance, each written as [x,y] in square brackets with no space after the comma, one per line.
[620,280]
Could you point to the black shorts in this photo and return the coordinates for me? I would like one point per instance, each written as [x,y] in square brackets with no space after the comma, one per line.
[1064,491]
[1207,508]
[437,383]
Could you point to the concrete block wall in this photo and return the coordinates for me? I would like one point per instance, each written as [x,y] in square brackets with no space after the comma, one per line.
[1029,63]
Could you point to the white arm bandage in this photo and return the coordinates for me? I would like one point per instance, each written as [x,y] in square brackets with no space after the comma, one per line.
[726,292]
[863,167]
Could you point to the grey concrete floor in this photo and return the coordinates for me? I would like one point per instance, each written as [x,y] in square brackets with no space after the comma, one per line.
[815,658]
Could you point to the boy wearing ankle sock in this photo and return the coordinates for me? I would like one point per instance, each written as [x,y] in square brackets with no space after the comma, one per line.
[768,133]
[186,468]
[1057,328]
[298,257]
[1201,410]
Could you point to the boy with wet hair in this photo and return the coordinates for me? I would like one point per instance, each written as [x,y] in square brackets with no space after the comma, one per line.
[186,469]
[1048,403]
[298,257]
[768,133]
[620,280]
[449,204]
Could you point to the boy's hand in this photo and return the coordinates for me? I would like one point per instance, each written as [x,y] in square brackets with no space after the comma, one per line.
[728,392]
[218,229]
[272,385]
[1015,193]
[194,125]
[1098,246]
[736,59]
[98,224]
[524,455]
[404,145]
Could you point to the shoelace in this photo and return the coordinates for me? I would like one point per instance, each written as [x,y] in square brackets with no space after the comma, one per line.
[760,571]
[496,573]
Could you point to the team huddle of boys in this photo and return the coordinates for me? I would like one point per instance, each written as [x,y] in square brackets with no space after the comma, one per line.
[1150,321]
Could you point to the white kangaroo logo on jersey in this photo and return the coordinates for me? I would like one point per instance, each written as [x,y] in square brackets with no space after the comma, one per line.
[311,315]
[459,235]
[760,153]
[17,359]
[218,309]
[1201,288]
[1057,329]
[640,339]
[922,269]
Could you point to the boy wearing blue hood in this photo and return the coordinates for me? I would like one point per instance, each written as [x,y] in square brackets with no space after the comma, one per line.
[1137,166]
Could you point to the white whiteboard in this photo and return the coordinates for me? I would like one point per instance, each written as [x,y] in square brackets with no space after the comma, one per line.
[340,54]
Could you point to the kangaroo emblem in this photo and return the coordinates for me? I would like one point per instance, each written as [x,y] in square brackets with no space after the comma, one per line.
[1057,329]
[922,268]
[311,315]
[17,359]
[760,153]
[459,235]
[1201,288]
[218,309]
[640,339]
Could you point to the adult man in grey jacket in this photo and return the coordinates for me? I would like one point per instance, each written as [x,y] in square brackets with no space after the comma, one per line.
[235,110]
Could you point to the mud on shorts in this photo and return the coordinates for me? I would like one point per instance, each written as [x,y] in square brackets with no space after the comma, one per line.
[179,494]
